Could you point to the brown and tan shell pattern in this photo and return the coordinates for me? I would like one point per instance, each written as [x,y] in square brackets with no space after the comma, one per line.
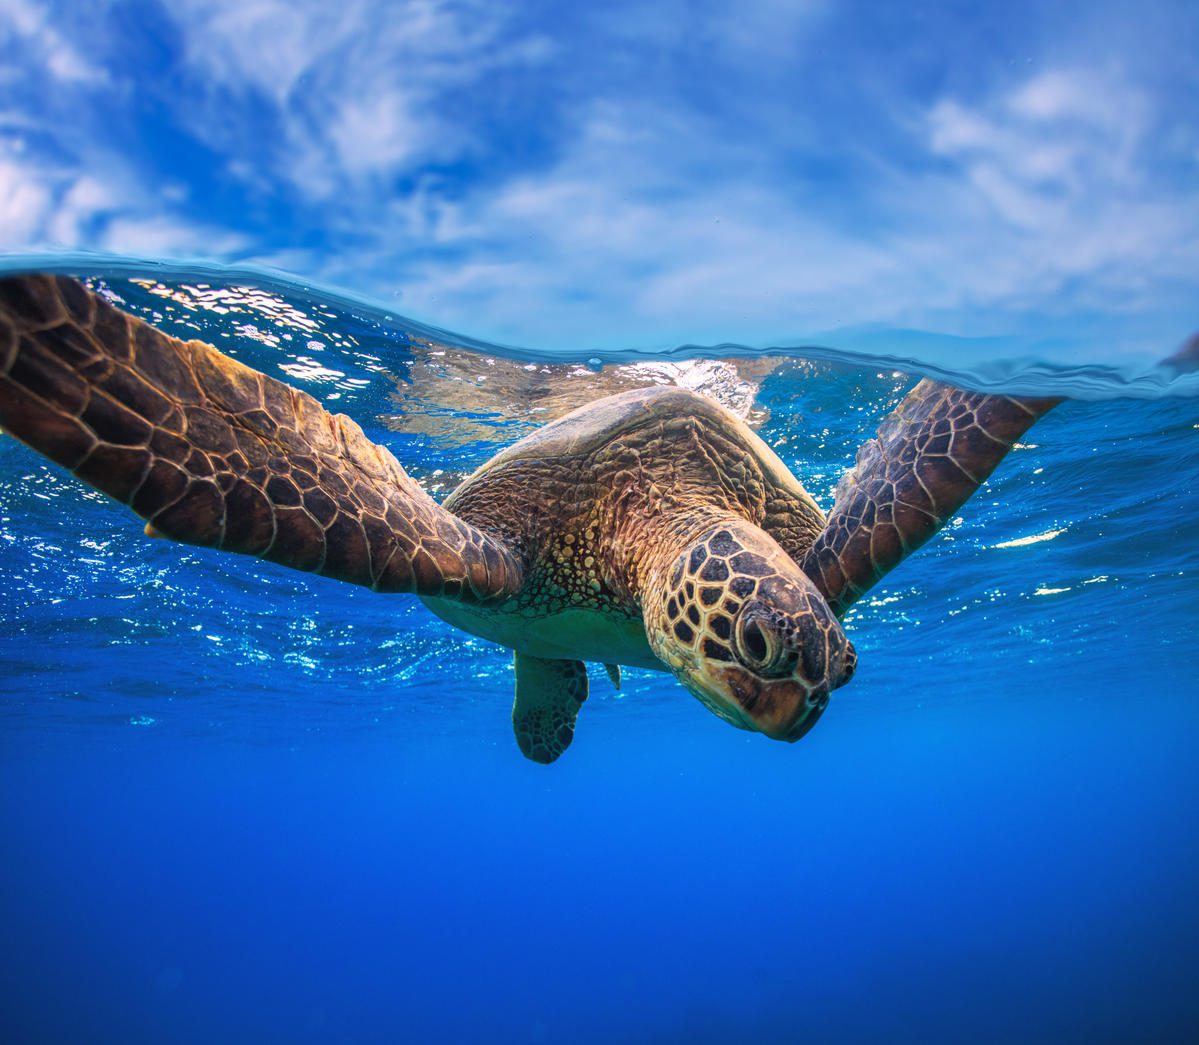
[594,497]
[592,427]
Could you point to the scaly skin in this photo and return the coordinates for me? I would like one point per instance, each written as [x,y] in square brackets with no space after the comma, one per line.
[546,730]
[652,524]
[213,453]
[663,522]
[745,630]
[587,518]
[930,455]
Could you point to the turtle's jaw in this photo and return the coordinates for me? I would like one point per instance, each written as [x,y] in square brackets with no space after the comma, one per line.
[782,709]
[794,726]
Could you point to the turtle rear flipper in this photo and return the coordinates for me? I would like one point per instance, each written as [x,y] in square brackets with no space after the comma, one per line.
[212,453]
[931,453]
[549,694]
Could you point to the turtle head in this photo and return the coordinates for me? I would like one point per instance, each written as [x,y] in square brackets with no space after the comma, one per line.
[747,632]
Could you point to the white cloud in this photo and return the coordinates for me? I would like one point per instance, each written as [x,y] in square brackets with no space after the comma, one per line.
[354,91]
[160,236]
[82,201]
[1059,126]
[654,206]
[100,205]
[1036,200]
[29,25]
[24,202]
[642,228]
[1053,182]
[376,133]
[1078,98]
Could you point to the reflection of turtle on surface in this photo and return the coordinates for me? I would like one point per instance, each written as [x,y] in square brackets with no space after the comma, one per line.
[651,528]
[457,396]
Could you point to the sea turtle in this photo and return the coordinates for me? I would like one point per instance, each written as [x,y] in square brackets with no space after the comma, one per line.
[651,528]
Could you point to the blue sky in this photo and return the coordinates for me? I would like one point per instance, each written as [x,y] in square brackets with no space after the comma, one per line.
[624,174]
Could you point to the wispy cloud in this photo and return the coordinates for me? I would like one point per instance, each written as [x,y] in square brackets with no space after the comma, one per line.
[63,204]
[354,93]
[64,179]
[610,174]
[32,28]
[643,224]
[1037,198]
[1055,185]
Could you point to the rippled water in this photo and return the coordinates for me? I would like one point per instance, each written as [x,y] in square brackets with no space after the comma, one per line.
[241,803]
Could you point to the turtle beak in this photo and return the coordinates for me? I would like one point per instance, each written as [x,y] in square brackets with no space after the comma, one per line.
[798,710]
[782,709]
[787,708]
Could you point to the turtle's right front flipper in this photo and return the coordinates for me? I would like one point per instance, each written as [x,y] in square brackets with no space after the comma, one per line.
[213,453]
[931,453]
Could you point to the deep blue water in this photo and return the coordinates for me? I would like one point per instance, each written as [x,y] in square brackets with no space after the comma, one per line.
[243,804]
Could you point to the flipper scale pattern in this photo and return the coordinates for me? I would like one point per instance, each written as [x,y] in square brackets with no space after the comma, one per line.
[213,453]
[929,456]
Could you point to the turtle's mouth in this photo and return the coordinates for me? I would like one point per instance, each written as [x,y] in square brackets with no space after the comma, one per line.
[817,702]
[782,709]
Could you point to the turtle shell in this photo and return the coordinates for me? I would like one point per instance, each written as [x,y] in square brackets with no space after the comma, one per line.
[588,428]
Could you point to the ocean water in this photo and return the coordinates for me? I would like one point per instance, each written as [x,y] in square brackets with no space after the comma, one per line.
[243,804]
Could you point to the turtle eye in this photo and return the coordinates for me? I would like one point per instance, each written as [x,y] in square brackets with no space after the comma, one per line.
[760,649]
[755,642]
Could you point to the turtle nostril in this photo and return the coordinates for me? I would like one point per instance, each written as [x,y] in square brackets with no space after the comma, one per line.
[850,662]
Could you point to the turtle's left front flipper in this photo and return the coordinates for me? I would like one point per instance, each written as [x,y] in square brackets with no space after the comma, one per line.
[213,453]
[930,455]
